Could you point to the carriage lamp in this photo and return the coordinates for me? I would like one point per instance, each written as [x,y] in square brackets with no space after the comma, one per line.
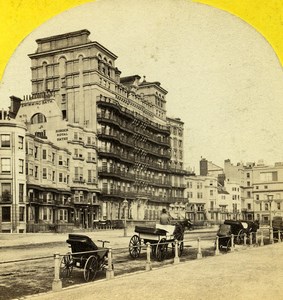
[125,204]
[270,199]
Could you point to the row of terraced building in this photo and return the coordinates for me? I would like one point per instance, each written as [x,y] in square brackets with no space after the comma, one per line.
[87,144]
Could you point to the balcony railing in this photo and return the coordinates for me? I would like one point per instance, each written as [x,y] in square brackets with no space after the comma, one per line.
[135,116]
[78,180]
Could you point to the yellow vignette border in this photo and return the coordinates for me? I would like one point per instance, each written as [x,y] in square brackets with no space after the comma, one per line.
[20,17]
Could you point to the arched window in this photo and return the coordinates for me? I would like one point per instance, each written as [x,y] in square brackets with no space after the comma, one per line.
[38,118]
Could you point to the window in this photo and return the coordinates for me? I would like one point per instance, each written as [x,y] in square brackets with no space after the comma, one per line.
[248,183]
[44,154]
[189,184]
[21,214]
[21,166]
[6,192]
[278,205]
[5,141]
[21,142]
[199,195]
[44,173]
[44,213]
[249,194]
[60,177]
[53,157]
[190,195]
[266,206]
[35,152]
[21,192]
[63,215]
[211,192]
[5,165]
[249,206]
[38,118]
[36,172]
[248,175]
[257,197]
[6,214]
[60,161]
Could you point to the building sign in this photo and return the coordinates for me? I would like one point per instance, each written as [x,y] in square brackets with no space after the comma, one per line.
[38,102]
[62,134]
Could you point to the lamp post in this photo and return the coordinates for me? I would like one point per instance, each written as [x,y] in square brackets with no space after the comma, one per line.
[125,205]
[270,200]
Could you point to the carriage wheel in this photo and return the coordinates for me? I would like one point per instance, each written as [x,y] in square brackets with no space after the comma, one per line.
[91,268]
[135,246]
[66,266]
[161,249]
[239,239]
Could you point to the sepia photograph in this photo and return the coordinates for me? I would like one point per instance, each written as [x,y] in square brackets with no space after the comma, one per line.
[141,149]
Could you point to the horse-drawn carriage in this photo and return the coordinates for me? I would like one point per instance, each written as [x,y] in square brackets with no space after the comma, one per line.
[86,255]
[239,229]
[277,226]
[160,238]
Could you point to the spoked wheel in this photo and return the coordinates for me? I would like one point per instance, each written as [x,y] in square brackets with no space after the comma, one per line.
[91,268]
[240,237]
[161,250]
[135,246]
[66,266]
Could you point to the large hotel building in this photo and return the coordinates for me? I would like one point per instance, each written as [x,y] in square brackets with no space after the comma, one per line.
[87,144]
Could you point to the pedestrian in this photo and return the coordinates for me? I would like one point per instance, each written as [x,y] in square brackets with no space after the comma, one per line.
[164,217]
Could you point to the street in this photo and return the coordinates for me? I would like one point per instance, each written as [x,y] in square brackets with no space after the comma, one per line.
[36,276]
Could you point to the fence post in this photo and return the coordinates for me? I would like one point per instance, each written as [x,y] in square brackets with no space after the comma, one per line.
[279,236]
[271,239]
[261,238]
[57,283]
[176,258]
[245,239]
[217,246]
[232,242]
[109,271]
[148,266]
[199,255]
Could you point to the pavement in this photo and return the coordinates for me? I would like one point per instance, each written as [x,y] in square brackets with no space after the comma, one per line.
[254,273]
[251,273]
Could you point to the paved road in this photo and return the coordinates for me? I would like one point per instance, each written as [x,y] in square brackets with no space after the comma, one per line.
[254,273]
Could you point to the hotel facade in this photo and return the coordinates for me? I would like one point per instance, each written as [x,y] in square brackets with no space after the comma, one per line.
[97,146]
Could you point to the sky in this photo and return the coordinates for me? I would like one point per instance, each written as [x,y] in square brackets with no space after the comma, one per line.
[223,78]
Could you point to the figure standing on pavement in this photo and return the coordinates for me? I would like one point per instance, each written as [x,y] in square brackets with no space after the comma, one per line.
[164,217]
